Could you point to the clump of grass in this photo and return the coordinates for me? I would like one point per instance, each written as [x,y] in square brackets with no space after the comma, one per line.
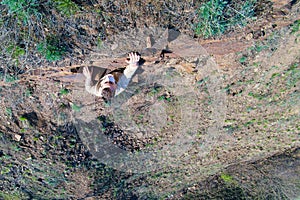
[51,49]
[75,107]
[216,16]
[64,91]
[296,26]
[210,18]
[22,118]
[99,42]
[9,78]
[66,7]
[22,9]
[15,52]
[292,75]
[9,112]
[10,195]
[243,59]
[226,178]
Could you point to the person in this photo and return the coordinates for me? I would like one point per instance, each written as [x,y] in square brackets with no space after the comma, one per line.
[112,84]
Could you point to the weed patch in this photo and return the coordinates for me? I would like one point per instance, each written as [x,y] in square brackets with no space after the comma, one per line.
[10,196]
[66,7]
[15,51]
[51,49]
[216,16]
[64,91]
[293,75]
[226,178]
[10,78]
[22,9]
[296,26]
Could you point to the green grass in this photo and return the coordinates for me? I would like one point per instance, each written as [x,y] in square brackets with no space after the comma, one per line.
[257,96]
[15,51]
[22,9]
[25,21]
[243,59]
[274,75]
[216,16]
[252,121]
[10,196]
[75,107]
[22,118]
[210,19]
[293,75]
[9,112]
[226,178]
[28,92]
[10,78]
[296,26]
[99,42]
[4,170]
[258,47]
[66,7]
[51,49]
[64,91]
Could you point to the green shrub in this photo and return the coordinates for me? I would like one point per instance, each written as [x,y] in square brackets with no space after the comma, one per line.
[210,18]
[51,49]
[216,16]
[15,51]
[22,9]
[241,13]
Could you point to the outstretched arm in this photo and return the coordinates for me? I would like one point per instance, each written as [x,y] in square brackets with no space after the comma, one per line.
[128,72]
[88,83]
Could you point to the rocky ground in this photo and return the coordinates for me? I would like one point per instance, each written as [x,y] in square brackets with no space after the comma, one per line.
[217,118]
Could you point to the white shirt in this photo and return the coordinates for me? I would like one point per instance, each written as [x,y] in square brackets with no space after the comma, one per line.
[121,84]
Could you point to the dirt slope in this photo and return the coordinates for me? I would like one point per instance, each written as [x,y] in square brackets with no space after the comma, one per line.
[222,123]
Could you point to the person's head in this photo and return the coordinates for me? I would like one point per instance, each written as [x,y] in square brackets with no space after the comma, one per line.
[108,86]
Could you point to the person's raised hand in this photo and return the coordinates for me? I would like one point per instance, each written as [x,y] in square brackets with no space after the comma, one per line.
[87,73]
[134,59]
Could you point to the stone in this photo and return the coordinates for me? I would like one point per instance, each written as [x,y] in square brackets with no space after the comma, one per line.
[17,137]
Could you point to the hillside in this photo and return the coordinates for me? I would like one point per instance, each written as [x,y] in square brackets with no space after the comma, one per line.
[212,113]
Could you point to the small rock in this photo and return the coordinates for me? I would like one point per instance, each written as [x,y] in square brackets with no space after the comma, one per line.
[114,46]
[135,79]
[17,137]
[198,77]
[149,41]
[249,36]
